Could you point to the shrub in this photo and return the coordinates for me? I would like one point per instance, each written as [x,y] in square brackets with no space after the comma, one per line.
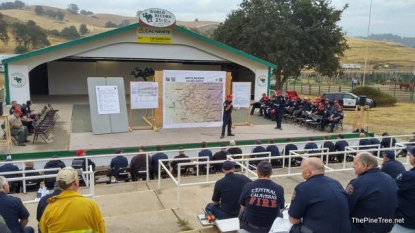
[20,49]
[382,99]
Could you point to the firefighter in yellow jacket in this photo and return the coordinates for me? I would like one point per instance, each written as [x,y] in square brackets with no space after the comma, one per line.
[70,211]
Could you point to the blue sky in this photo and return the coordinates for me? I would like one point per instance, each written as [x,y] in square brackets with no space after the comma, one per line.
[388,16]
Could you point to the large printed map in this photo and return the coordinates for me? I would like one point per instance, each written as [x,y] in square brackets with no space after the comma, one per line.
[193,102]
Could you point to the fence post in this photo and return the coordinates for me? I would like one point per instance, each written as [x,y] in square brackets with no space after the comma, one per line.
[394,91]
[301,88]
[319,87]
[340,88]
[309,89]
[329,88]
[294,84]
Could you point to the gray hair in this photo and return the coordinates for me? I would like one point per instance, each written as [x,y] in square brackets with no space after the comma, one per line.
[368,159]
[232,143]
[3,181]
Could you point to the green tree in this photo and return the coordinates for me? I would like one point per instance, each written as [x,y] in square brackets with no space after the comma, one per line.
[30,35]
[110,24]
[4,36]
[290,33]
[70,33]
[84,12]
[60,15]
[19,4]
[39,10]
[83,29]
[54,32]
[124,22]
[7,5]
[20,49]
[73,8]
[50,13]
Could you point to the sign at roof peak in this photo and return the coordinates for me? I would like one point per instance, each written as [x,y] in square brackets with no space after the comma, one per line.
[155,17]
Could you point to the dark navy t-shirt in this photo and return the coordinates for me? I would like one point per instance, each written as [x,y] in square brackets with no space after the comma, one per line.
[322,204]
[393,168]
[12,210]
[227,191]
[263,200]
[273,149]
[118,162]
[312,147]
[406,198]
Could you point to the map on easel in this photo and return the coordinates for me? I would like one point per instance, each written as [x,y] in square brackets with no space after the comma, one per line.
[144,95]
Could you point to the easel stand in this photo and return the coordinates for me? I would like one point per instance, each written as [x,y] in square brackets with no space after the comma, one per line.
[360,121]
[6,141]
[150,120]
[246,123]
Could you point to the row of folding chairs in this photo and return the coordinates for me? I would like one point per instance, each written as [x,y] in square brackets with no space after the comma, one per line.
[44,123]
[307,120]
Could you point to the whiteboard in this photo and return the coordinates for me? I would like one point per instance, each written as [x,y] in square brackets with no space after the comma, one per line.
[107,100]
[241,94]
[144,95]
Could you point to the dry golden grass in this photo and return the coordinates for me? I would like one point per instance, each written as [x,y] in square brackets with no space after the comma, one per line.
[379,52]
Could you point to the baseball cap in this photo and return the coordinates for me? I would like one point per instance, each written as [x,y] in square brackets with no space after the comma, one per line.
[340,108]
[389,154]
[118,151]
[227,165]
[229,96]
[80,152]
[67,175]
[17,111]
[278,92]
[264,94]
[336,101]
[265,168]
[411,150]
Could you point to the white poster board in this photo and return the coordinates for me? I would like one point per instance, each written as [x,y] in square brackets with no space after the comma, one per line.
[193,98]
[107,100]
[144,95]
[241,94]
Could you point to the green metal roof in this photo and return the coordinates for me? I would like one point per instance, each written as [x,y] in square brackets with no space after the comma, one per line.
[129,27]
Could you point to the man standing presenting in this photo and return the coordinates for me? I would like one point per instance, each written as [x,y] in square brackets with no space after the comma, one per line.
[13,211]
[70,211]
[279,109]
[320,201]
[371,196]
[226,193]
[227,116]
[261,201]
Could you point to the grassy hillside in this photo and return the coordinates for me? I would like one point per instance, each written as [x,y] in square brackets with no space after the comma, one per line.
[379,52]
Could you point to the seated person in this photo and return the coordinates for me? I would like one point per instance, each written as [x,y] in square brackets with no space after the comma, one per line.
[273,149]
[330,146]
[155,160]
[341,147]
[234,150]
[205,152]
[258,149]
[311,146]
[364,143]
[174,163]
[289,147]
[220,155]
[335,118]
[387,141]
[225,198]
[259,104]
[375,145]
[36,183]
[117,162]
[27,111]
[55,163]
[13,107]
[79,163]
[391,166]
[27,121]
[10,167]
[139,163]
[17,128]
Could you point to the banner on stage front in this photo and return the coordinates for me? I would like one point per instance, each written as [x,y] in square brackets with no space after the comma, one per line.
[193,98]
[144,95]
[241,94]
[107,99]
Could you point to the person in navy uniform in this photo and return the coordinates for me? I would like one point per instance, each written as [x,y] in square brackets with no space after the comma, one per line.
[387,141]
[258,149]
[406,195]
[225,198]
[289,147]
[279,109]
[261,201]
[273,149]
[155,160]
[311,146]
[391,166]
[341,147]
[375,145]
[326,116]
[364,143]
[259,104]
[117,162]
[330,146]
[335,118]
[320,201]
[205,152]
[227,116]
[372,195]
